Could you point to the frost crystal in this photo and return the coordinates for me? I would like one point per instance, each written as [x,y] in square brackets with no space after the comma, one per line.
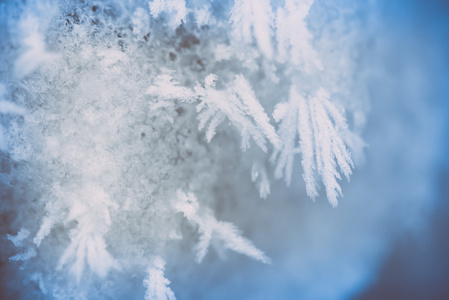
[156,283]
[254,18]
[91,211]
[210,228]
[295,48]
[239,104]
[319,126]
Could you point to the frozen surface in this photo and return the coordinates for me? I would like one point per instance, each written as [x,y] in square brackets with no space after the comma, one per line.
[203,149]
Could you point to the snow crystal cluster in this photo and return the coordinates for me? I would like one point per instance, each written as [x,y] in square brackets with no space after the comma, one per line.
[120,118]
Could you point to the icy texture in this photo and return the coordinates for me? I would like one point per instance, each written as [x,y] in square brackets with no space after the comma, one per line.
[319,126]
[295,48]
[253,18]
[237,102]
[208,227]
[175,8]
[111,109]
[156,283]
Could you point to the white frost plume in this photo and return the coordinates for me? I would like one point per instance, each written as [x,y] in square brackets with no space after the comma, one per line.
[239,104]
[254,18]
[295,47]
[156,284]
[91,211]
[287,114]
[210,228]
[320,128]
[166,88]
[328,123]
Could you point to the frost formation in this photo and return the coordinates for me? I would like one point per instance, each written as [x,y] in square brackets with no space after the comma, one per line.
[118,113]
